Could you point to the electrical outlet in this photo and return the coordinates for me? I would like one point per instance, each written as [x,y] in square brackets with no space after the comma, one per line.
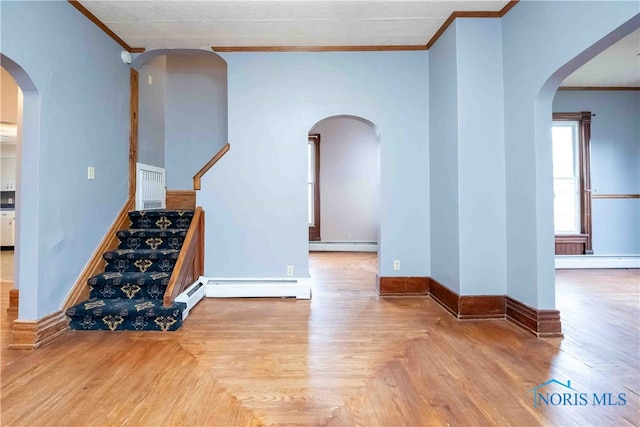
[91,173]
[396,265]
[290,270]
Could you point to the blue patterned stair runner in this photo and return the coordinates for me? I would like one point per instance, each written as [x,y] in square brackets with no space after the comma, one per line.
[128,295]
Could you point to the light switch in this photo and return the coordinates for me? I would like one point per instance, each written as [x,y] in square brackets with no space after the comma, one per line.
[150,79]
[91,173]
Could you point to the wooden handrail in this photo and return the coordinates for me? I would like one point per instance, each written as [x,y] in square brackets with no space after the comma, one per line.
[190,263]
[210,163]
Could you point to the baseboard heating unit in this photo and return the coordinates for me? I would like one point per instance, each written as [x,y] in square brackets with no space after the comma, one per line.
[597,261]
[191,296]
[343,246]
[256,288]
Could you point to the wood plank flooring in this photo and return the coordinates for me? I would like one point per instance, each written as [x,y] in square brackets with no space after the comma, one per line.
[347,357]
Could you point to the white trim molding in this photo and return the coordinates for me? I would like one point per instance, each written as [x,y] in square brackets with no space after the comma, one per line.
[597,261]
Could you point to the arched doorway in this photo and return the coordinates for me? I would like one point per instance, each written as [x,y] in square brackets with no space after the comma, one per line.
[11,111]
[544,116]
[344,184]
[344,202]
[25,272]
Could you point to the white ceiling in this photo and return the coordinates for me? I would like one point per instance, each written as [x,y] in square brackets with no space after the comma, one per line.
[202,24]
[249,23]
[617,66]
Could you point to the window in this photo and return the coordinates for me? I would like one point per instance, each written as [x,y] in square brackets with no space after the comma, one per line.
[571,134]
[566,178]
[313,186]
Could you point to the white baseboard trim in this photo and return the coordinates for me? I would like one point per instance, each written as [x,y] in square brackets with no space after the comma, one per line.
[256,288]
[343,247]
[597,261]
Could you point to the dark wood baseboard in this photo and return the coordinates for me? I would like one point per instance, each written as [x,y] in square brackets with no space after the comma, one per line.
[444,296]
[468,306]
[390,286]
[29,335]
[542,323]
[481,307]
[181,200]
[14,296]
[573,244]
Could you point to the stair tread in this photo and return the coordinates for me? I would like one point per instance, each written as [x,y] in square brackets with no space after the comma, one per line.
[152,232]
[160,213]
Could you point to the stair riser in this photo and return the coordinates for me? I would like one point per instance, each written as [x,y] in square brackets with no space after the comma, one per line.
[151,243]
[160,222]
[139,265]
[122,323]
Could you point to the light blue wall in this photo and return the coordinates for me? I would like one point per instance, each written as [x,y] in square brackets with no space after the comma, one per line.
[615,165]
[468,217]
[83,89]
[195,115]
[544,42]
[256,198]
[151,111]
[481,163]
[443,154]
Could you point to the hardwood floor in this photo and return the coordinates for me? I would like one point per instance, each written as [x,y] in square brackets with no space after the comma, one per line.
[6,265]
[347,357]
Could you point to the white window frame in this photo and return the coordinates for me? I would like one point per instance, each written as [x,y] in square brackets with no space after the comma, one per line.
[575,177]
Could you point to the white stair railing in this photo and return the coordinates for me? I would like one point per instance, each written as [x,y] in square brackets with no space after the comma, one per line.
[150,187]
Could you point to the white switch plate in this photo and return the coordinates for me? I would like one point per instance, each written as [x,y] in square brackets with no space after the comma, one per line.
[150,79]
[396,265]
[91,173]
[290,270]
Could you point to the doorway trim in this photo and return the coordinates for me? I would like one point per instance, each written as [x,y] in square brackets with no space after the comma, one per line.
[314,230]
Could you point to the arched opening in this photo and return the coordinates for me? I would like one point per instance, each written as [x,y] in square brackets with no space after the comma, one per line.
[344,191]
[595,135]
[596,140]
[544,118]
[10,113]
[348,184]
[182,111]
[21,145]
